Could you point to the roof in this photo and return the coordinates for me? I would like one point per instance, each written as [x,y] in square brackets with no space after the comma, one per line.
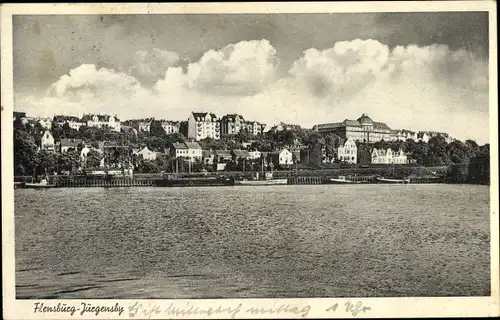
[223,152]
[61,118]
[207,153]
[241,153]
[200,116]
[232,117]
[364,119]
[70,142]
[192,145]
[327,126]
[100,117]
[179,145]
[380,125]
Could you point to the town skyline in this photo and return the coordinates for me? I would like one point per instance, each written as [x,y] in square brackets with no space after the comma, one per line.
[429,80]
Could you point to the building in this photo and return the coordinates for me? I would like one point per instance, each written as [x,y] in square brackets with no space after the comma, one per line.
[380,156]
[255,154]
[147,154]
[241,154]
[73,122]
[202,125]
[66,145]
[348,151]
[362,129]
[47,142]
[223,155]
[284,127]
[208,157]
[179,150]
[194,151]
[45,123]
[144,126]
[282,157]
[231,124]
[170,126]
[101,121]
[254,127]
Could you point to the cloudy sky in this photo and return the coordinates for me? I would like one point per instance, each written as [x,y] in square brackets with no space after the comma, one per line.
[420,71]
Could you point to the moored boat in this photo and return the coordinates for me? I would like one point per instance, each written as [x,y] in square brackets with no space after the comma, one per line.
[43,184]
[261,182]
[18,185]
[341,180]
[194,182]
[267,181]
[392,181]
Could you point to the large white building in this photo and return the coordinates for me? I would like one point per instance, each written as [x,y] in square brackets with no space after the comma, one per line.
[362,129]
[100,121]
[381,156]
[202,125]
[348,151]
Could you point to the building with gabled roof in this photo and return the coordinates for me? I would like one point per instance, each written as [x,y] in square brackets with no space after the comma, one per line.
[202,125]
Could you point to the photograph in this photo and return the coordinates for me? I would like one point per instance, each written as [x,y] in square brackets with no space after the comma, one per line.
[250,155]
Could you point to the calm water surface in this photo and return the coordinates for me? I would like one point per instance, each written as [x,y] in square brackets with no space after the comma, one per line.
[240,242]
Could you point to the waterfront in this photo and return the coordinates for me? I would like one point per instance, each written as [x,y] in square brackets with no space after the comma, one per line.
[240,242]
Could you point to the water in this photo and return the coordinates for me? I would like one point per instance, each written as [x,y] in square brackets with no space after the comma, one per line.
[242,242]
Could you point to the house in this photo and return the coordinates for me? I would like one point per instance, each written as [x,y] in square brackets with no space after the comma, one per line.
[223,155]
[282,157]
[47,142]
[202,125]
[380,156]
[66,145]
[170,126]
[179,150]
[194,151]
[208,157]
[73,122]
[147,154]
[254,127]
[45,123]
[348,151]
[256,154]
[144,126]
[231,124]
[423,136]
[100,121]
[241,154]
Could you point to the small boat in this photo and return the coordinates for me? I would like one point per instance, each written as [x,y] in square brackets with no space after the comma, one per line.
[261,182]
[18,185]
[39,185]
[193,182]
[267,181]
[392,181]
[341,180]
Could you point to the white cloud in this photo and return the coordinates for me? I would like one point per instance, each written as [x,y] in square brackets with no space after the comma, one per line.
[419,88]
[153,64]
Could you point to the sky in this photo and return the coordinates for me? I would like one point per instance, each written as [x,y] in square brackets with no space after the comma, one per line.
[417,71]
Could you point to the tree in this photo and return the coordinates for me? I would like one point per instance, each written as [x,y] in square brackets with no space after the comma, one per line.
[157,130]
[148,166]
[56,131]
[46,162]
[93,159]
[25,150]
[69,161]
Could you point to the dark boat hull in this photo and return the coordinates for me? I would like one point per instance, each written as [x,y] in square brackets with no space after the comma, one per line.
[193,182]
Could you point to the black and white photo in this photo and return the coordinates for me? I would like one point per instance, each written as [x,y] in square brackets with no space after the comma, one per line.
[177,155]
